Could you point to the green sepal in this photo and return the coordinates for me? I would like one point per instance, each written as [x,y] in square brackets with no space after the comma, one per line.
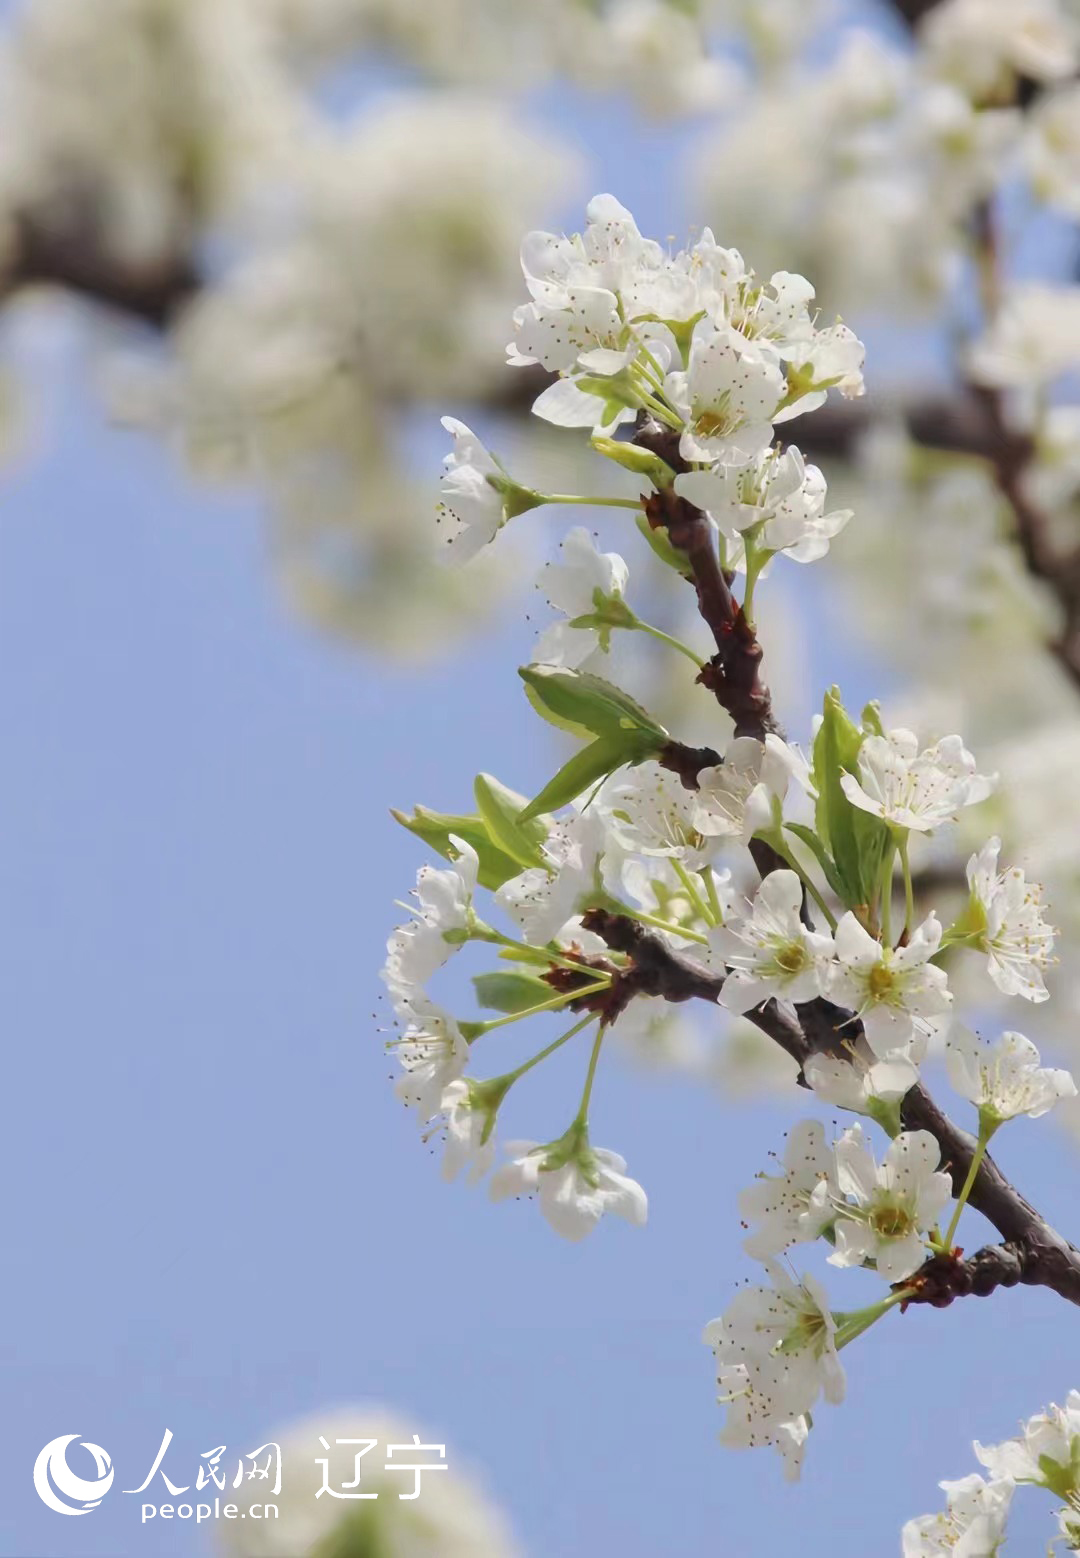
[586,705]
[506,991]
[435,828]
[501,810]
[856,840]
[593,763]
[633,458]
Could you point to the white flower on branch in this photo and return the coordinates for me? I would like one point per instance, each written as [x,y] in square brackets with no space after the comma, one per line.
[762,1395]
[888,1209]
[470,1135]
[980,44]
[542,899]
[583,583]
[649,811]
[790,1319]
[777,498]
[862,1083]
[794,1206]
[897,992]
[1004,1078]
[913,789]
[727,397]
[1033,339]
[1046,1453]
[972,1525]
[432,1052]
[741,796]
[1008,924]
[416,950]
[575,1185]
[772,953]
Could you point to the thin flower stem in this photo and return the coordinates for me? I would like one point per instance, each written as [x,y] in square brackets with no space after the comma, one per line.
[651,360]
[553,1005]
[583,1111]
[778,843]
[709,878]
[659,924]
[862,1321]
[886,894]
[909,886]
[552,1047]
[972,1174]
[695,893]
[662,411]
[585,502]
[536,954]
[673,643]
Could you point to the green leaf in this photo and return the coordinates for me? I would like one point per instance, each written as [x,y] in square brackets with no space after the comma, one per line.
[633,458]
[593,763]
[435,828]
[586,705]
[501,810]
[509,991]
[856,840]
[821,854]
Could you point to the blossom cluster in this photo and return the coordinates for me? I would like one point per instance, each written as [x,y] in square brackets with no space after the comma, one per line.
[1045,1454]
[770,882]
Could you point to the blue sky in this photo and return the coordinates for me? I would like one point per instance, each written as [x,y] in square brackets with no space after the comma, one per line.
[217,1219]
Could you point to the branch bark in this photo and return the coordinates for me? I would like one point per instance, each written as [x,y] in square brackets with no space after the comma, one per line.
[1032,1251]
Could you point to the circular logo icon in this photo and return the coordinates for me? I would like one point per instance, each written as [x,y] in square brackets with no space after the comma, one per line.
[59,1487]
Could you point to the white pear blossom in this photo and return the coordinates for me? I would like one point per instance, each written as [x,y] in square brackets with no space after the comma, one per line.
[470,1134]
[972,1525]
[1008,924]
[777,497]
[761,1396]
[584,582]
[432,1052]
[416,950]
[979,44]
[542,899]
[791,1319]
[772,953]
[1052,148]
[575,1186]
[649,811]
[913,789]
[794,1206]
[887,1210]
[862,1083]
[727,396]
[473,506]
[1004,1078]
[742,795]
[1046,1453]
[896,991]
[1032,340]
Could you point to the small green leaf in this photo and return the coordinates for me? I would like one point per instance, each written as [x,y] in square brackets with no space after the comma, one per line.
[593,763]
[821,854]
[509,991]
[633,458]
[435,828]
[586,705]
[501,810]
[856,839]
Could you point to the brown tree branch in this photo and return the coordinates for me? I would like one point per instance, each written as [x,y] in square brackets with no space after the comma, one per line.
[1033,1252]
[63,247]
[733,675]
